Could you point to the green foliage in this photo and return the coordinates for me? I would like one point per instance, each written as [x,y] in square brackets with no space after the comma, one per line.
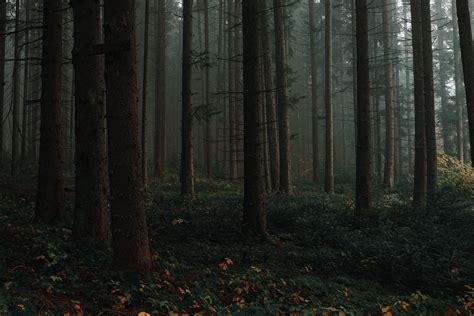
[320,257]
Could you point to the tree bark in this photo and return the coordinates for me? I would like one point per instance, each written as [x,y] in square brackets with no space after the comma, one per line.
[329,164]
[364,121]
[467,57]
[420,185]
[16,81]
[282,96]
[91,219]
[389,167]
[143,145]
[271,114]
[50,193]
[187,168]
[160,102]
[130,243]
[430,116]
[231,92]
[207,92]
[458,87]
[314,93]
[3,24]
[254,217]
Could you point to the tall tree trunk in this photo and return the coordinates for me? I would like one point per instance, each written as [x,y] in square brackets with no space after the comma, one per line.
[364,121]
[238,84]
[389,168]
[50,194]
[145,94]
[420,185]
[467,56]
[314,93]
[16,81]
[90,200]
[430,116]
[187,168]
[329,168]
[282,96]
[3,24]
[254,217]
[271,120]
[130,243]
[26,72]
[207,92]
[458,87]
[231,93]
[160,102]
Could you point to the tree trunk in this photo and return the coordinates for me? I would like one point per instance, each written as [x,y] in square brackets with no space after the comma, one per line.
[16,81]
[145,94]
[458,87]
[160,102]
[271,120]
[282,96]
[50,194]
[467,56]
[25,110]
[254,217]
[129,229]
[329,168]
[314,93]
[389,168]
[231,93]
[90,201]
[420,185]
[207,92]
[364,131]
[3,23]
[187,169]
[430,116]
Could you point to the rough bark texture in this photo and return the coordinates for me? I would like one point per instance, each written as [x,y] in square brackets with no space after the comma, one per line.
[467,56]
[458,87]
[187,168]
[207,92]
[282,96]
[91,219]
[420,185]
[50,194]
[3,22]
[160,101]
[389,167]
[364,131]
[129,229]
[329,164]
[314,93]
[430,116]
[254,217]
[270,103]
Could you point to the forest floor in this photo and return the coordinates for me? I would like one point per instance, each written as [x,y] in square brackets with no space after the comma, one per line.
[320,257]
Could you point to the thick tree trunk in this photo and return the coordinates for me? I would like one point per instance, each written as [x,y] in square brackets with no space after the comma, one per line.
[282,96]
[160,102]
[3,23]
[129,229]
[364,121]
[389,168]
[329,164]
[91,219]
[254,217]
[420,185]
[467,56]
[207,92]
[271,120]
[26,73]
[430,116]
[50,194]
[314,93]
[187,168]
